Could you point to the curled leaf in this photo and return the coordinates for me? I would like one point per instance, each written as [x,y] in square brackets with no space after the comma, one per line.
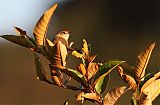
[81,68]
[92,96]
[143,59]
[128,79]
[79,98]
[76,54]
[41,27]
[85,47]
[20,31]
[113,95]
[92,70]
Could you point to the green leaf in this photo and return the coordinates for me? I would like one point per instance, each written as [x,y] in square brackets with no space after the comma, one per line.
[20,40]
[128,69]
[40,69]
[75,75]
[105,69]
[102,84]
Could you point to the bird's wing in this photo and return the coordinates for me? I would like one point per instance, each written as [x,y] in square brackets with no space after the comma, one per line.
[63,51]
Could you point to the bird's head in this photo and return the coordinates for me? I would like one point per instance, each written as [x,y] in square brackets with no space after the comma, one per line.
[64,34]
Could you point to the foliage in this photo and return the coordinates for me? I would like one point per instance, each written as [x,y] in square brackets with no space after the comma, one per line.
[93,77]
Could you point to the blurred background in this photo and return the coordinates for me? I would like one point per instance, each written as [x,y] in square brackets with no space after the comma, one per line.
[116,29]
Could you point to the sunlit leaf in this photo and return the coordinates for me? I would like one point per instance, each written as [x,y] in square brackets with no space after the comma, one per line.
[148,80]
[66,102]
[81,68]
[153,90]
[79,98]
[41,27]
[85,47]
[20,31]
[143,59]
[105,69]
[92,70]
[76,54]
[145,100]
[101,85]
[128,79]
[113,95]
[20,40]
[92,96]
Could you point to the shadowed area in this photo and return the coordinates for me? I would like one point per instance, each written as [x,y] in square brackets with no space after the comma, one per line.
[116,29]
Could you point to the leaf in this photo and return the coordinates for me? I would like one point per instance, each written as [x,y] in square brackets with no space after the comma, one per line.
[41,27]
[20,40]
[92,96]
[113,95]
[20,31]
[77,55]
[128,79]
[92,70]
[102,84]
[66,102]
[85,47]
[145,100]
[148,80]
[128,69]
[143,59]
[105,69]
[39,69]
[80,98]
[75,75]
[153,90]
[81,68]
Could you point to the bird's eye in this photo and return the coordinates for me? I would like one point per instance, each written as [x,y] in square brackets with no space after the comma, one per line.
[63,32]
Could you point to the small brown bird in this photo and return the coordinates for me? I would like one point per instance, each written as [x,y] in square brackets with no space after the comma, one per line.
[62,39]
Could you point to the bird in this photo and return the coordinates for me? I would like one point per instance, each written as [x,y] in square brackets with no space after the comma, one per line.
[62,40]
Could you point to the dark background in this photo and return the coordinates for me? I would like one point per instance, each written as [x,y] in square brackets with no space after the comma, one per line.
[116,29]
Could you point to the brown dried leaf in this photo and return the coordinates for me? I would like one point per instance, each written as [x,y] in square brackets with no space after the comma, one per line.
[81,68]
[143,59]
[92,96]
[20,31]
[79,98]
[55,76]
[41,27]
[92,70]
[112,96]
[157,75]
[128,79]
[91,58]
[153,90]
